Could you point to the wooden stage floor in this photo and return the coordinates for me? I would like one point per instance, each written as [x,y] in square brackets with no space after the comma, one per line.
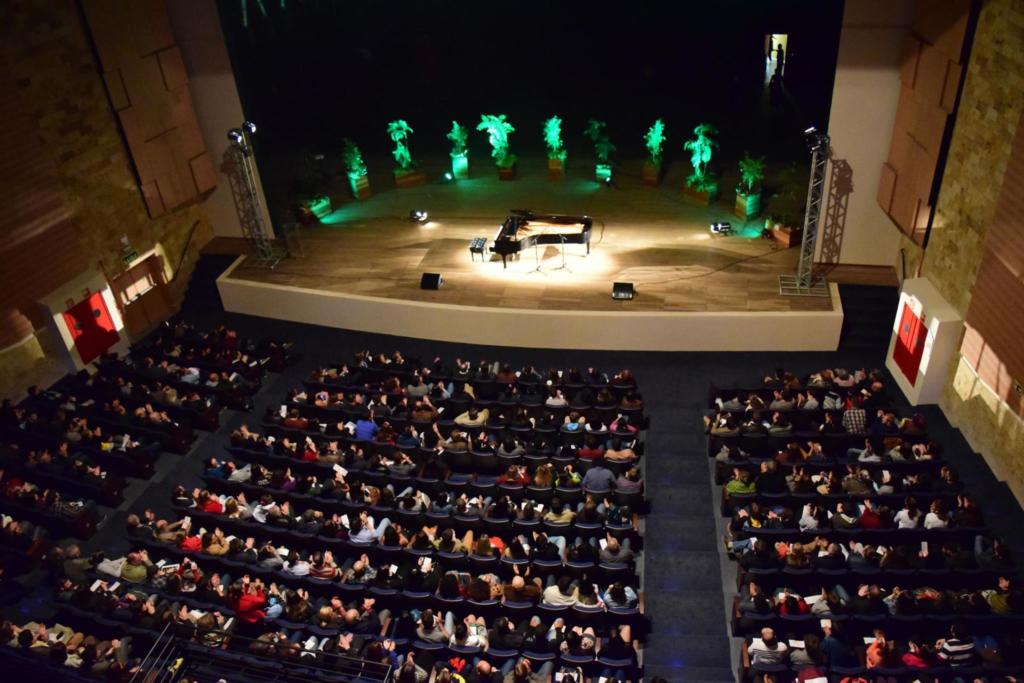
[648,236]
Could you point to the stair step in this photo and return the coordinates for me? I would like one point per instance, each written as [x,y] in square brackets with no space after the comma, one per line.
[867,310]
[202,293]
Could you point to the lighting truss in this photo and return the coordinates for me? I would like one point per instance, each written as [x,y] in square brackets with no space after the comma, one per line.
[803,283]
[245,190]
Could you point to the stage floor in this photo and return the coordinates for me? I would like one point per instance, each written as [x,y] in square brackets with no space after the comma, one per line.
[644,235]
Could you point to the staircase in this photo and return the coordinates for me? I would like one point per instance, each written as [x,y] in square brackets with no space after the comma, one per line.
[868,314]
[202,294]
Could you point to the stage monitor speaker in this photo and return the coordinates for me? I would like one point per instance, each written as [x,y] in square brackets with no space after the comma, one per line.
[431,281]
[623,290]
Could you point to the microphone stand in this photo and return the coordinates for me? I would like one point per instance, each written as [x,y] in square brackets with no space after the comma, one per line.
[561,239]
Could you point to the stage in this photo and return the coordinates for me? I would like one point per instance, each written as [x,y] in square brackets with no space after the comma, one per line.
[362,268]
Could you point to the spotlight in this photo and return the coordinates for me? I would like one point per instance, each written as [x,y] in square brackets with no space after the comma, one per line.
[249,127]
[721,228]
[815,139]
[418,216]
[447,178]
[236,137]
[608,181]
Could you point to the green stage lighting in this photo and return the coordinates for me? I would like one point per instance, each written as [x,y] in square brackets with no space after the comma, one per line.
[399,131]
[553,139]
[700,148]
[498,129]
[654,140]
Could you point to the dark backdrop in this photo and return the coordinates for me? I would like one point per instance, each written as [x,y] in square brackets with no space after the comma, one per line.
[316,71]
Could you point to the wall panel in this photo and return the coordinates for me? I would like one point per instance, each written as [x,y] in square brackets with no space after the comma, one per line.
[930,75]
[148,87]
[994,343]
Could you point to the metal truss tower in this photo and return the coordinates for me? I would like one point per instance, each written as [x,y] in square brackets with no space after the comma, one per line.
[245,190]
[803,283]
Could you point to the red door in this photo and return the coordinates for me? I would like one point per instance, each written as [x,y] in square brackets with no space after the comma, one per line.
[91,327]
[909,347]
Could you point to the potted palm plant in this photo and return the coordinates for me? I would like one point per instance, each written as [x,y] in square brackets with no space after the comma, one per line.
[406,174]
[556,150]
[788,205]
[356,170]
[603,149]
[700,187]
[460,157]
[310,188]
[498,129]
[748,193]
[654,140]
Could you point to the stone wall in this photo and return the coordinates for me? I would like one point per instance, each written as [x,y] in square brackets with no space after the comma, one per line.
[990,109]
[46,50]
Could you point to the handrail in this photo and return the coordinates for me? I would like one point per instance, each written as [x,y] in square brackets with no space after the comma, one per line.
[167,640]
[307,670]
[184,251]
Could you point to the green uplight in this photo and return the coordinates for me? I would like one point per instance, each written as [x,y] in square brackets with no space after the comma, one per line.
[498,129]
[654,140]
[399,131]
[603,172]
[700,148]
[553,138]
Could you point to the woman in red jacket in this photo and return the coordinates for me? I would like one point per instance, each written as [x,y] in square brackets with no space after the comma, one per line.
[208,503]
[248,602]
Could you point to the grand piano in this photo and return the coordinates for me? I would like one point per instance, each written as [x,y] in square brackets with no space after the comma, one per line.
[523,229]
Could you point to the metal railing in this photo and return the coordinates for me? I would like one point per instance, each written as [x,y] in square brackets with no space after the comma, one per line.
[184,251]
[160,665]
[283,661]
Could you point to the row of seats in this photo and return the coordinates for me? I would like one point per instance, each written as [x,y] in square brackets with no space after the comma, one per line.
[844,627]
[485,485]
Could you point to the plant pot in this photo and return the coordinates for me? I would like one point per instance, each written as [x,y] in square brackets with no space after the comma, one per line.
[507,172]
[556,169]
[699,198]
[787,235]
[318,206]
[747,205]
[602,172]
[360,185]
[410,178]
[651,173]
[460,166]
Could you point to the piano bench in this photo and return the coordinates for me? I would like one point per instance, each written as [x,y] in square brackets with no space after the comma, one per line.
[478,245]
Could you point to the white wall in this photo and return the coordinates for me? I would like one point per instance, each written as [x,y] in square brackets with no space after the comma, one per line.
[864,98]
[197,30]
[592,330]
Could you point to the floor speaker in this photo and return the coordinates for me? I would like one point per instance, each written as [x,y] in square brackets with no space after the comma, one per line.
[431,281]
[623,290]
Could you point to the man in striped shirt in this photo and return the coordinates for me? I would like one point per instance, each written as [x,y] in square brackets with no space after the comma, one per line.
[958,649]
[768,649]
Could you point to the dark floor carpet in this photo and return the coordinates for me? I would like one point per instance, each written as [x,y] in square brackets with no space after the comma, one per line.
[685,574]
